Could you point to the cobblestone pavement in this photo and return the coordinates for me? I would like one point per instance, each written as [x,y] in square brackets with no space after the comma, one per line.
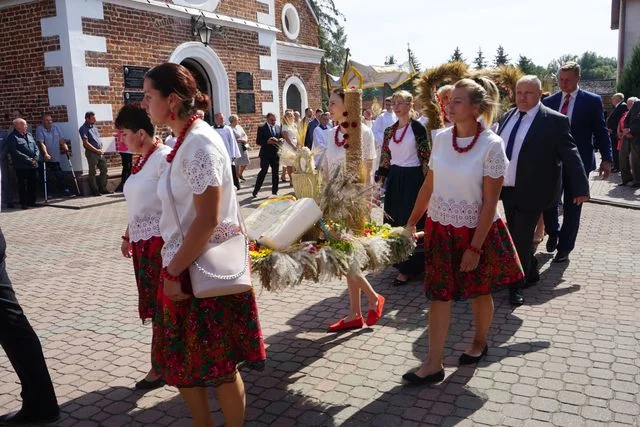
[569,356]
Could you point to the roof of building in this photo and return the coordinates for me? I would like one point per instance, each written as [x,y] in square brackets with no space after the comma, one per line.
[599,86]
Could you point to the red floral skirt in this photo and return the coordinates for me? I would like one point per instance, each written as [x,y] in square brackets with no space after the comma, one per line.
[201,341]
[444,246]
[147,264]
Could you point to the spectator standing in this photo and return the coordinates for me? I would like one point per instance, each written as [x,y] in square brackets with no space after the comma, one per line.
[94,153]
[5,169]
[320,139]
[628,171]
[25,154]
[226,133]
[243,145]
[312,123]
[52,147]
[619,108]
[267,139]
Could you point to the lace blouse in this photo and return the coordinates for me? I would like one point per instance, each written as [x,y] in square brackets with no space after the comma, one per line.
[457,177]
[334,155]
[201,162]
[143,204]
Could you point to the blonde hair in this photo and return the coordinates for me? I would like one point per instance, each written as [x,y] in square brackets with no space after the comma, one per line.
[482,92]
[406,97]
[232,118]
[444,89]
[288,121]
[571,66]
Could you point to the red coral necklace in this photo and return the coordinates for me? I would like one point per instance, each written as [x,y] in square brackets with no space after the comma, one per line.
[454,138]
[140,163]
[180,139]
[404,132]
[336,138]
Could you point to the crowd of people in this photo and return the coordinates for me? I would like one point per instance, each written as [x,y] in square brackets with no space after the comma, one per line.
[181,205]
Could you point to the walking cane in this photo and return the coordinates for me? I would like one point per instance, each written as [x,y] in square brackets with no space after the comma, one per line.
[73,174]
[44,177]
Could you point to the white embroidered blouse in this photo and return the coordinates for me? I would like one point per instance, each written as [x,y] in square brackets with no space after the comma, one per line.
[201,162]
[143,204]
[457,177]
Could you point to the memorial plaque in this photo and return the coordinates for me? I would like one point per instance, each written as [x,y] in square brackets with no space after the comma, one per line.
[244,81]
[131,97]
[246,103]
[134,76]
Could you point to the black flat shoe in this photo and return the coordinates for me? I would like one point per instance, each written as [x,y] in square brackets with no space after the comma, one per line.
[398,282]
[552,242]
[21,418]
[561,256]
[515,297]
[465,359]
[144,384]
[413,379]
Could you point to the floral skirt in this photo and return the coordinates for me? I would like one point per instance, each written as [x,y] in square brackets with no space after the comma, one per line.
[201,341]
[444,246]
[147,264]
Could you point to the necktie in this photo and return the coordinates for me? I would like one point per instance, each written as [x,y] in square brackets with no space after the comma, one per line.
[272,131]
[512,135]
[565,105]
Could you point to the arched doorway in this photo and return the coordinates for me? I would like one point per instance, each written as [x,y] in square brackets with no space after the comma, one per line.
[204,83]
[294,100]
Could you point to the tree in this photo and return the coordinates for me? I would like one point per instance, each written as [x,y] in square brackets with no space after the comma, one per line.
[480,61]
[413,60]
[555,65]
[456,56]
[629,83]
[592,65]
[389,60]
[501,57]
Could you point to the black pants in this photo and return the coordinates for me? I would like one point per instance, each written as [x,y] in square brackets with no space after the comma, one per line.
[568,233]
[23,348]
[234,173]
[54,170]
[27,181]
[265,164]
[614,149]
[522,226]
[127,162]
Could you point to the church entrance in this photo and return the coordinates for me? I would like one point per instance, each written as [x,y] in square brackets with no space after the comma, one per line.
[294,99]
[204,84]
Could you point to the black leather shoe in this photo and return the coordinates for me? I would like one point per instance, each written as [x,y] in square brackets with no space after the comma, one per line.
[145,384]
[561,256]
[552,242]
[412,379]
[21,418]
[515,297]
[532,278]
[465,359]
[398,282]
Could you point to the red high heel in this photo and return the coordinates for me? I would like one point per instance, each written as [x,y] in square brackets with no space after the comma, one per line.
[341,325]
[374,315]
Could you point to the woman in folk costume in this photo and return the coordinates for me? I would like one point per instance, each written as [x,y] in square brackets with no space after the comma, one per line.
[142,240]
[335,155]
[468,249]
[201,341]
[405,155]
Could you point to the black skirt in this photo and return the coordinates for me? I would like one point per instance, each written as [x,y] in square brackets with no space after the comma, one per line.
[403,186]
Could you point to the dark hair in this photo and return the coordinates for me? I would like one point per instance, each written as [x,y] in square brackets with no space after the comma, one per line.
[269,115]
[339,92]
[133,117]
[308,109]
[171,78]
[89,114]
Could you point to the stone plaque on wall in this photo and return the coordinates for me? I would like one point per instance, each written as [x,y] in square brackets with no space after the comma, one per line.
[131,97]
[244,80]
[134,76]
[246,103]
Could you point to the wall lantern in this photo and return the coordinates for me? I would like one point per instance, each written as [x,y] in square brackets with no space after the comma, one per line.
[200,28]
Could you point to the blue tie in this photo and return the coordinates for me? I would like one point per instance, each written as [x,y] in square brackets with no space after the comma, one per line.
[512,135]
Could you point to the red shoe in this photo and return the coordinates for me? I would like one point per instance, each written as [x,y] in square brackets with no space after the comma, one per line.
[374,315]
[341,325]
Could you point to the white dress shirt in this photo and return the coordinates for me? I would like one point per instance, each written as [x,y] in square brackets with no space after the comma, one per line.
[525,125]
[572,102]
[319,144]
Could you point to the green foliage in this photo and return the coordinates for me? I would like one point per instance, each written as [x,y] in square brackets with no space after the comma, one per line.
[527,66]
[390,60]
[629,83]
[501,57]
[413,60]
[456,56]
[592,65]
[480,61]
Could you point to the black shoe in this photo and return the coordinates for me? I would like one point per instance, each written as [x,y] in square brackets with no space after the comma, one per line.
[615,170]
[241,178]
[413,379]
[23,418]
[561,256]
[9,205]
[398,282]
[24,207]
[552,242]
[465,359]
[144,384]
[254,195]
[515,297]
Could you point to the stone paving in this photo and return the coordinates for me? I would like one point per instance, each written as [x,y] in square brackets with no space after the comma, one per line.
[568,357]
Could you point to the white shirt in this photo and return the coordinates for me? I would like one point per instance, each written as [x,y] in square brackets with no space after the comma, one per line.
[229,142]
[51,139]
[292,134]
[525,125]
[335,156]
[457,177]
[140,193]
[240,134]
[319,144]
[170,141]
[383,121]
[404,153]
[572,102]
[201,162]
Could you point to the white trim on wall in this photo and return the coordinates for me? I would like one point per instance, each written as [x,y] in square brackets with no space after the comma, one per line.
[289,11]
[297,82]
[299,53]
[269,62]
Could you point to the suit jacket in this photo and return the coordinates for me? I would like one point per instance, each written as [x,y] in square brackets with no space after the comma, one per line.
[23,149]
[548,152]
[308,138]
[267,150]
[632,121]
[587,124]
[614,118]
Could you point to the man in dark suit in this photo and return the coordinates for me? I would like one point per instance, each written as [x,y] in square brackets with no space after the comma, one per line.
[539,146]
[619,108]
[313,124]
[586,115]
[267,139]
[631,131]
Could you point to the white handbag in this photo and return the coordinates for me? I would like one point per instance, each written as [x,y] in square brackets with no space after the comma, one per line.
[223,268]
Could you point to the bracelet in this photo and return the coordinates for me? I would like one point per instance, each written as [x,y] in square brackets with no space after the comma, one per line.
[475,250]
[125,238]
[166,275]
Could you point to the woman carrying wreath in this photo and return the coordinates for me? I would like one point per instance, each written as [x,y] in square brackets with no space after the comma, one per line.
[468,249]
[405,155]
[200,341]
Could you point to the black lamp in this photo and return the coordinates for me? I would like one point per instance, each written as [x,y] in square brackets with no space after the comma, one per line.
[200,28]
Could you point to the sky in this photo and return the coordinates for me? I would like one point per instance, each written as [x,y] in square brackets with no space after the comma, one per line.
[539,29]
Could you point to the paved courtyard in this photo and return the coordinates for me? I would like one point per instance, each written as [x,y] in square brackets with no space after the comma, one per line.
[569,357]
